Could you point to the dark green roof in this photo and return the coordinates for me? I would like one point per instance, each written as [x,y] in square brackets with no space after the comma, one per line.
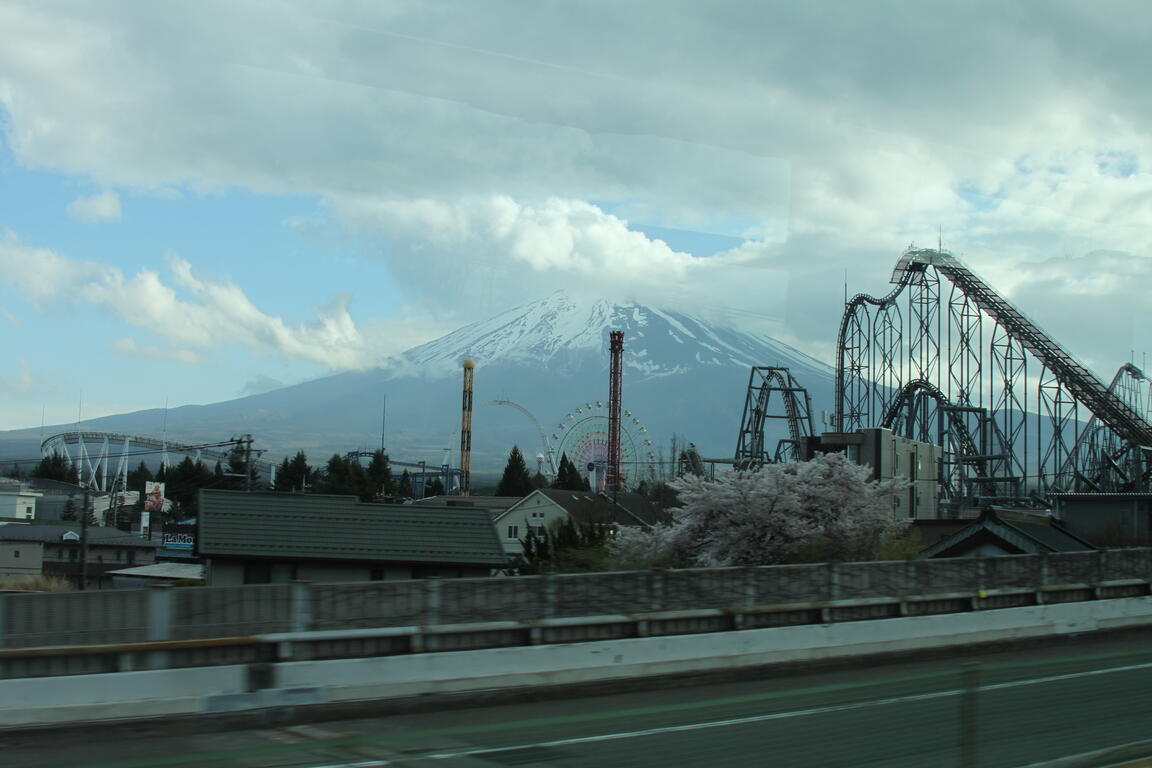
[1019,531]
[316,527]
[54,533]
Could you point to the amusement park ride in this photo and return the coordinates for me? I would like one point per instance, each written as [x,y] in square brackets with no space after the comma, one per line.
[942,358]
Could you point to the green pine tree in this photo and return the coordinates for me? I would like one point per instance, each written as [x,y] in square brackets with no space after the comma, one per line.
[405,489]
[516,481]
[55,467]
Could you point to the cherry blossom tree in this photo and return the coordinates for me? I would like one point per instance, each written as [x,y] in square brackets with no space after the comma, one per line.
[823,509]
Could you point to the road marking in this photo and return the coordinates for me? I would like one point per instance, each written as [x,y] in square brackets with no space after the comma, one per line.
[687,727]
[762,696]
[773,715]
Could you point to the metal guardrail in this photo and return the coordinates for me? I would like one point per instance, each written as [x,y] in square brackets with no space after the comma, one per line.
[43,661]
[186,613]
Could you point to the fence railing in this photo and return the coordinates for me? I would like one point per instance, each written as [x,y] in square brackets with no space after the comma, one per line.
[188,613]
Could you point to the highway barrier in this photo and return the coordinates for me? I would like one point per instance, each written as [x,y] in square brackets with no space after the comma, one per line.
[286,680]
[189,613]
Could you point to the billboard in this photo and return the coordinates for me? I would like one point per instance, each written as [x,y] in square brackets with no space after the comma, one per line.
[179,536]
[153,497]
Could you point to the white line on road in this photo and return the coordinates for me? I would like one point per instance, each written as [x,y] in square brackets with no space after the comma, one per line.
[749,719]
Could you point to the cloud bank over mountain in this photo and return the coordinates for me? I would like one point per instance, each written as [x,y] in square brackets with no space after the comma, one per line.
[454,159]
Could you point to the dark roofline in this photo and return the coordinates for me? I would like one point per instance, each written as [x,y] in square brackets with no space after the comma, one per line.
[97,537]
[995,524]
[328,527]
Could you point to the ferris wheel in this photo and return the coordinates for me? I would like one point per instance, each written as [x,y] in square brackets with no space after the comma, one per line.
[582,435]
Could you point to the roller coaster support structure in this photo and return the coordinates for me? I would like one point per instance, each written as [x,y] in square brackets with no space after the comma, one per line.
[944,358]
[795,407]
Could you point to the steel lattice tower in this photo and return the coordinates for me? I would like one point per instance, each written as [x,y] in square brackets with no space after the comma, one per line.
[616,348]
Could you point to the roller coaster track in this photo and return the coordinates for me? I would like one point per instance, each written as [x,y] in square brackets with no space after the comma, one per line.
[763,382]
[1082,383]
[95,466]
[546,448]
[959,342]
[984,452]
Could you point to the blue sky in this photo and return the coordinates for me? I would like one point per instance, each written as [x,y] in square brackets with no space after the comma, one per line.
[199,200]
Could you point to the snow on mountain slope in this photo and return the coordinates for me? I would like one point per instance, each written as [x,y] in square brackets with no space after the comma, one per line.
[682,376]
[560,333]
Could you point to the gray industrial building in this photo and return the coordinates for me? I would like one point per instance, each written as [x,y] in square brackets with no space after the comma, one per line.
[890,456]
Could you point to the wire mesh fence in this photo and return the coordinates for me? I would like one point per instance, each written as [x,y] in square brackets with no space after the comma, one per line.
[198,612]
[235,611]
[73,618]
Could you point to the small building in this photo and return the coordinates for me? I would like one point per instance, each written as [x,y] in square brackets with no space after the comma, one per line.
[545,507]
[55,550]
[18,502]
[1106,519]
[890,456]
[1007,532]
[262,538]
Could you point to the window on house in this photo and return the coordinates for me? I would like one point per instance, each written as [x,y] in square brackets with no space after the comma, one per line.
[28,511]
[513,531]
[72,555]
[376,574]
[131,556]
[16,553]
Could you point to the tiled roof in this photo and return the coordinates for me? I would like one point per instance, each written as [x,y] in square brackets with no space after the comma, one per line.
[1030,534]
[319,527]
[97,535]
[586,507]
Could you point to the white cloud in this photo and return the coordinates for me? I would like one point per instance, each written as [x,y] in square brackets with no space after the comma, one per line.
[485,254]
[193,314]
[103,206]
[469,144]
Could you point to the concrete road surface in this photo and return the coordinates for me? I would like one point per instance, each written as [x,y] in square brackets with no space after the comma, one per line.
[1010,708]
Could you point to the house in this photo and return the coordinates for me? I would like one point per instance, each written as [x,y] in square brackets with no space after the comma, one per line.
[55,550]
[18,502]
[1007,532]
[261,538]
[1106,519]
[494,504]
[547,506]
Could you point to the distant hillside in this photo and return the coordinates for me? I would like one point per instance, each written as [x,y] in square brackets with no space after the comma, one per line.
[682,376]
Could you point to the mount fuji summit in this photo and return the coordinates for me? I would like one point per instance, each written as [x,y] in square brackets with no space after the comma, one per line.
[548,358]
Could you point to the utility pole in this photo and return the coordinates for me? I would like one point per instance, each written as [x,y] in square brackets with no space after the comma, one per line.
[248,463]
[84,541]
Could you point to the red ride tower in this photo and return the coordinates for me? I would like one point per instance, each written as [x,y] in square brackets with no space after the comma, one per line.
[616,347]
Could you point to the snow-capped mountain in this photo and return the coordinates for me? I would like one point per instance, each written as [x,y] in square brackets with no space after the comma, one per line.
[682,376]
[558,333]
